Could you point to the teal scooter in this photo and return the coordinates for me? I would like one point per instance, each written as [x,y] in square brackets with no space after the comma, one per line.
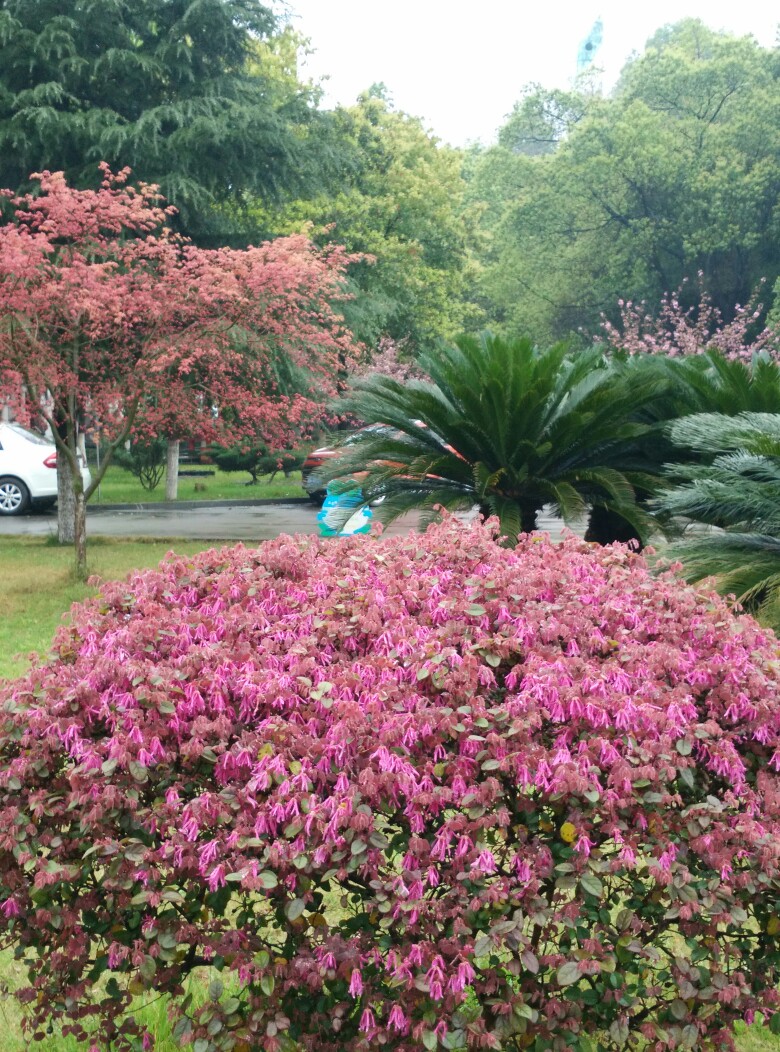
[333,520]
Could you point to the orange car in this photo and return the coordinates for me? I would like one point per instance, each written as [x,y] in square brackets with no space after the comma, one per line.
[311,472]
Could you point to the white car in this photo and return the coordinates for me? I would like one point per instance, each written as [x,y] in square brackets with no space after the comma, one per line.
[28,470]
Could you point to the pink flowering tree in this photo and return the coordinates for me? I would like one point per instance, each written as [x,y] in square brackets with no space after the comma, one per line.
[392,359]
[677,331]
[426,792]
[110,322]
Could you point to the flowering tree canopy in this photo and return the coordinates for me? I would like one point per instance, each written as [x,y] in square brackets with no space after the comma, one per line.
[125,324]
[420,792]
[109,320]
[678,330]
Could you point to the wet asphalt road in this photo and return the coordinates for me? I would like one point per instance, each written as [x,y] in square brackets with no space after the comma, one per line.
[201,521]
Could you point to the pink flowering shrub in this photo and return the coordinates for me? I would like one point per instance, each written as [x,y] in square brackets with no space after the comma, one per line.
[678,331]
[426,792]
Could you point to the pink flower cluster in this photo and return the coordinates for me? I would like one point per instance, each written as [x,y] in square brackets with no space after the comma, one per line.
[425,792]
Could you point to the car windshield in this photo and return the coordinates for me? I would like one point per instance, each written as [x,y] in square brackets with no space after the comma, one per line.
[29,436]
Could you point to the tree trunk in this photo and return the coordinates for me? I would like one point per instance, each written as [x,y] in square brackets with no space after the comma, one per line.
[527,519]
[80,532]
[66,502]
[172,470]
[606,527]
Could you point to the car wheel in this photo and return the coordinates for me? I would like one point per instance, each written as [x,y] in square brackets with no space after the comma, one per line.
[14,496]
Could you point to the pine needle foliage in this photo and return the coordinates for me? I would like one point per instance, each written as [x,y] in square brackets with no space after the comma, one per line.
[735,491]
[170,88]
[503,425]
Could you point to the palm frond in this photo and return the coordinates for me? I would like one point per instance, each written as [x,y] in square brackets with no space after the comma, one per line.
[746,565]
[507,423]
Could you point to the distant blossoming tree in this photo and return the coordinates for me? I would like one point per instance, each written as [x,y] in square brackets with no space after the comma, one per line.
[111,321]
[678,331]
[391,358]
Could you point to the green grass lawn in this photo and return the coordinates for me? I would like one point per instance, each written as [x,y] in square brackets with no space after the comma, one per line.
[37,590]
[121,487]
[38,586]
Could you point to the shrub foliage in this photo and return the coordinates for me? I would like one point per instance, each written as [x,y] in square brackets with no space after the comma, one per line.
[145,459]
[257,459]
[424,792]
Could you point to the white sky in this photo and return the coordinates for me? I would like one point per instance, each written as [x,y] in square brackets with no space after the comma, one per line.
[460,67]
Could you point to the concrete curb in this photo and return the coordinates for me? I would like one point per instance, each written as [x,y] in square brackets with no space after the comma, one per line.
[190,505]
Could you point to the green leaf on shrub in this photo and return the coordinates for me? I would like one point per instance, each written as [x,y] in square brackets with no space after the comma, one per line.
[475,610]
[267,984]
[592,885]
[774,1023]
[618,1031]
[430,1040]
[568,973]
[216,987]
[267,879]
[138,771]
[482,945]
[294,909]
[113,989]
[690,1036]
[183,1030]
[684,747]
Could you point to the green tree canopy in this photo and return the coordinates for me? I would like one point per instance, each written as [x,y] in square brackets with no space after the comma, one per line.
[677,172]
[402,205]
[176,89]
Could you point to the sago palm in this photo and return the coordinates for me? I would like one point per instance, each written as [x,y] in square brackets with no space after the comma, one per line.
[707,383]
[735,489]
[503,425]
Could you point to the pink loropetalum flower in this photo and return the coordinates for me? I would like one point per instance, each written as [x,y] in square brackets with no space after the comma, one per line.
[356,984]
[397,1020]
